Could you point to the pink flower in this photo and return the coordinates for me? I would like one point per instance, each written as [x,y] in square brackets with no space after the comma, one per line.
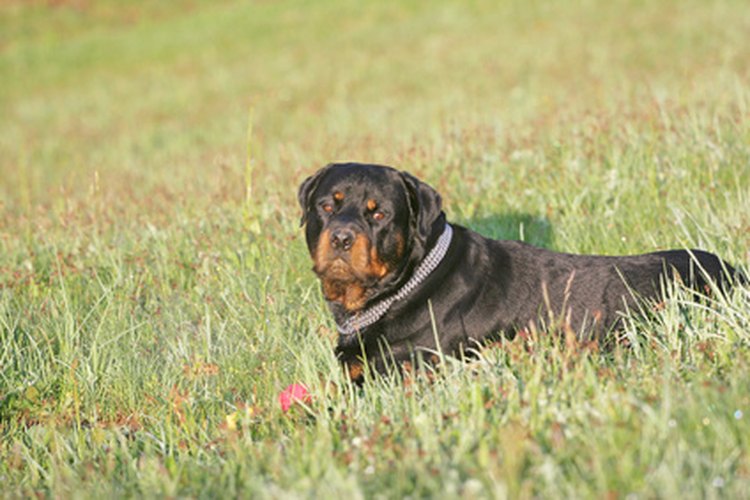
[295,393]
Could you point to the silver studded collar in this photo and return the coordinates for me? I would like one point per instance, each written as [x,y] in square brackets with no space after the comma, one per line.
[362,319]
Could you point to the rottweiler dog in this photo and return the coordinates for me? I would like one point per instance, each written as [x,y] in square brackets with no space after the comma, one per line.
[398,278]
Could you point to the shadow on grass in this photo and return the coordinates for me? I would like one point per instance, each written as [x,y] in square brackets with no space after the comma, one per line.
[534,229]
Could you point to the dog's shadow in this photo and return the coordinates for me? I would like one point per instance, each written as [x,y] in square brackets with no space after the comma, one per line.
[533,229]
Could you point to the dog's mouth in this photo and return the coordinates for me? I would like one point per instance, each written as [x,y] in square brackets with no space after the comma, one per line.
[349,278]
[339,269]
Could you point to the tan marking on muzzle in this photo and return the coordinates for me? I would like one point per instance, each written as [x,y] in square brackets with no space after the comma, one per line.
[323,252]
[365,258]
[344,282]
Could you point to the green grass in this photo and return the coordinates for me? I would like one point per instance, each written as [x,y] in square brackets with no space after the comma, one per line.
[155,291]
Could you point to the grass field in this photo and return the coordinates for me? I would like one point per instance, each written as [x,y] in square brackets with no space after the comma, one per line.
[156,293]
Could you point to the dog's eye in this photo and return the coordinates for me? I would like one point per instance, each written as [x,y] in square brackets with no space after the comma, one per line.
[327,208]
[378,215]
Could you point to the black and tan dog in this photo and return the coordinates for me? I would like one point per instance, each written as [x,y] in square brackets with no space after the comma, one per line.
[392,269]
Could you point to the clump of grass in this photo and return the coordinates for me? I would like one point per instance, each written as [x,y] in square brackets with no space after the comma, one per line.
[155,293]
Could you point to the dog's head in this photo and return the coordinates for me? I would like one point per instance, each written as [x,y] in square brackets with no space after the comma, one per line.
[367,227]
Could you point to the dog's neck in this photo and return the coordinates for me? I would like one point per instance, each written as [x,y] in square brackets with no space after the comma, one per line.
[350,324]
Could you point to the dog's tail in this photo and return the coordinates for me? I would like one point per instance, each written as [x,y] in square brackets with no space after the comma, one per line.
[741,278]
[704,271]
[724,275]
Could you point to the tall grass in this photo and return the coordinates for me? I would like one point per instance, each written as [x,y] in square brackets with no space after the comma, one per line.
[155,292]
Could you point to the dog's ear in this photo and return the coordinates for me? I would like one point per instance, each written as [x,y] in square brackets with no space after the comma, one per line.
[425,206]
[306,190]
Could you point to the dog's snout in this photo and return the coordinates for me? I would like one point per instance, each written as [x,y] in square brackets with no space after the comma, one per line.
[342,239]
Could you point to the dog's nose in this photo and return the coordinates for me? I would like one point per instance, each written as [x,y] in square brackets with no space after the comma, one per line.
[342,239]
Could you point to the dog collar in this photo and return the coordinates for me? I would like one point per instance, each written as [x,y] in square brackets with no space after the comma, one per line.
[362,319]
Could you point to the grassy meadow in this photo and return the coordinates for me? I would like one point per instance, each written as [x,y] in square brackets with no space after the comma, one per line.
[156,293]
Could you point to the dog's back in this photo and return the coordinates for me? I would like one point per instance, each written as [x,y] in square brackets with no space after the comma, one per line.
[588,293]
